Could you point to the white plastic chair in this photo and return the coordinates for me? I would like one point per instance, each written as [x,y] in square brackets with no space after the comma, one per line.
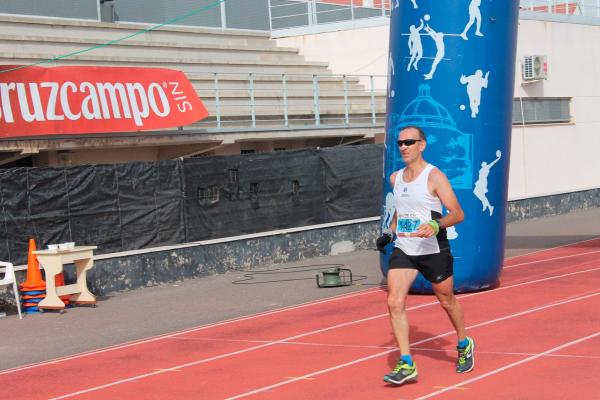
[9,277]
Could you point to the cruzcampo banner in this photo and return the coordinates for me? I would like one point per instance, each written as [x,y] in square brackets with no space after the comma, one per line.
[80,100]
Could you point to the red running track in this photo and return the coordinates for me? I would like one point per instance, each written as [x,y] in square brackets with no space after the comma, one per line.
[537,335]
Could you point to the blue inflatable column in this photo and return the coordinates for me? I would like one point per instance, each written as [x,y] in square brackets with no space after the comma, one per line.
[451,72]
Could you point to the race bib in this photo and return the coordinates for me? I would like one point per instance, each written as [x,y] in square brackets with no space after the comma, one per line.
[407,225]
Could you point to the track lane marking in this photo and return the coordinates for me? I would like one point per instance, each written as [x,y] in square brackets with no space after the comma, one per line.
[508,353]
[445,387]
[239,319]
[551,259]
[555,247]
[197,362]
[523,361]
[310,375]
[191,330]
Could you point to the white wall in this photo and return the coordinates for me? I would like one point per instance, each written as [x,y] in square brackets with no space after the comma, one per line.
[545,159]
[559,158]
[362,51]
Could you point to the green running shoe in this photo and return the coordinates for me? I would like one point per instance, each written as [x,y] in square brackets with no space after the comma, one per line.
[466,357]
[403,373]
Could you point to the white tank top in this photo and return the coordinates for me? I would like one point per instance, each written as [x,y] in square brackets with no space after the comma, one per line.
[415,206]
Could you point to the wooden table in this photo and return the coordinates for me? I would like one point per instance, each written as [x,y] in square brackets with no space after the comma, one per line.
[52,261]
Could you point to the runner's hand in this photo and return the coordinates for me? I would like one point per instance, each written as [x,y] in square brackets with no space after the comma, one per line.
[383,240]
[426,230]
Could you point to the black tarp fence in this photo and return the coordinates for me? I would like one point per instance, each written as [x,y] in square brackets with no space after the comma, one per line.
[146,204]
[352,181]
[259,192]
[115,207]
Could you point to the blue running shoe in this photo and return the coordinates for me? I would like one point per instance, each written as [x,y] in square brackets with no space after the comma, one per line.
[403,373]
[466,357]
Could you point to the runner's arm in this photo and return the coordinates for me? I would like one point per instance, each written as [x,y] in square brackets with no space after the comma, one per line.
[442,188]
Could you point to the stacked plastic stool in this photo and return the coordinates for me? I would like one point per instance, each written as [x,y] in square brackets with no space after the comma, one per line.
[33,290]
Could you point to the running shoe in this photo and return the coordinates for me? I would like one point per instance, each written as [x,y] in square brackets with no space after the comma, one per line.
[403,373]
[466,357]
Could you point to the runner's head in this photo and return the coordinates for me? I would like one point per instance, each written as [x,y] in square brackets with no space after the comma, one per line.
[411,143]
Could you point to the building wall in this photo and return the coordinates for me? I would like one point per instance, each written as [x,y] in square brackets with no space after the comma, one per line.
[559,158]
[545,159]
[96,156]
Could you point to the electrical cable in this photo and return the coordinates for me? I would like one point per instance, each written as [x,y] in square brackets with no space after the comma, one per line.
[250,276]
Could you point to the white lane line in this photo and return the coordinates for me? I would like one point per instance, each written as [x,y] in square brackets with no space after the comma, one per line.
[205,360]
[502,353]
[551,259]
[512,365]
[443,387]
[191,330]
[416,349]
[229,321]
[313,332]
[536,280]
[312,374]
[555,247]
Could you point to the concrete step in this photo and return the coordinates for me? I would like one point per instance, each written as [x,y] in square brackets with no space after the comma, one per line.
[17,25]
[295,95]
[276,66]
[274,82]
[261,88]
[50,47]
[261,82]
[277,122]
[298,106]
[290,78]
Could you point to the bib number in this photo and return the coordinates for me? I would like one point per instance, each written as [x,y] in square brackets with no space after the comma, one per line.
[407,225]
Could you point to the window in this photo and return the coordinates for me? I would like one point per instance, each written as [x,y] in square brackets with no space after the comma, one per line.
[541,110]
[248,151]
[254,189]
[295,191]
[234,176]
[208,195]
[254,195]
[279,149]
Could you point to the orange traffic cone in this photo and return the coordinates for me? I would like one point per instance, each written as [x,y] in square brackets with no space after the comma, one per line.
[34,275]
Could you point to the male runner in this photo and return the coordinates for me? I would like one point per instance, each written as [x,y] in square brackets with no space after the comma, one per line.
[421,245]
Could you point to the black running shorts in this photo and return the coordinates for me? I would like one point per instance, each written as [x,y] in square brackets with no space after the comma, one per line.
[434,267]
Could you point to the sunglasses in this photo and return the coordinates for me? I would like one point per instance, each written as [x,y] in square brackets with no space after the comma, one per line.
[407,142]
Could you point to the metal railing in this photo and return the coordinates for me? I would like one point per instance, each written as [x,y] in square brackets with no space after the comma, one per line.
[290,101]
[273,15]
[247,102]
[287,14]
[584,8]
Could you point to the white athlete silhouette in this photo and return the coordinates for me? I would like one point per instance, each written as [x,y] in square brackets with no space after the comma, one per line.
[389,210]
[415,46]
[414,3]
[438,38]
[451,233]
[482,182]
[391,73]
[474,15]
[475,83]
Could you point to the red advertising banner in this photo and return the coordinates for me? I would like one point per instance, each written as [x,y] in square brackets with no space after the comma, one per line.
[80,100]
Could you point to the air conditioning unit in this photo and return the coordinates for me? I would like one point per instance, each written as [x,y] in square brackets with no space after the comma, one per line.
[535,68]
